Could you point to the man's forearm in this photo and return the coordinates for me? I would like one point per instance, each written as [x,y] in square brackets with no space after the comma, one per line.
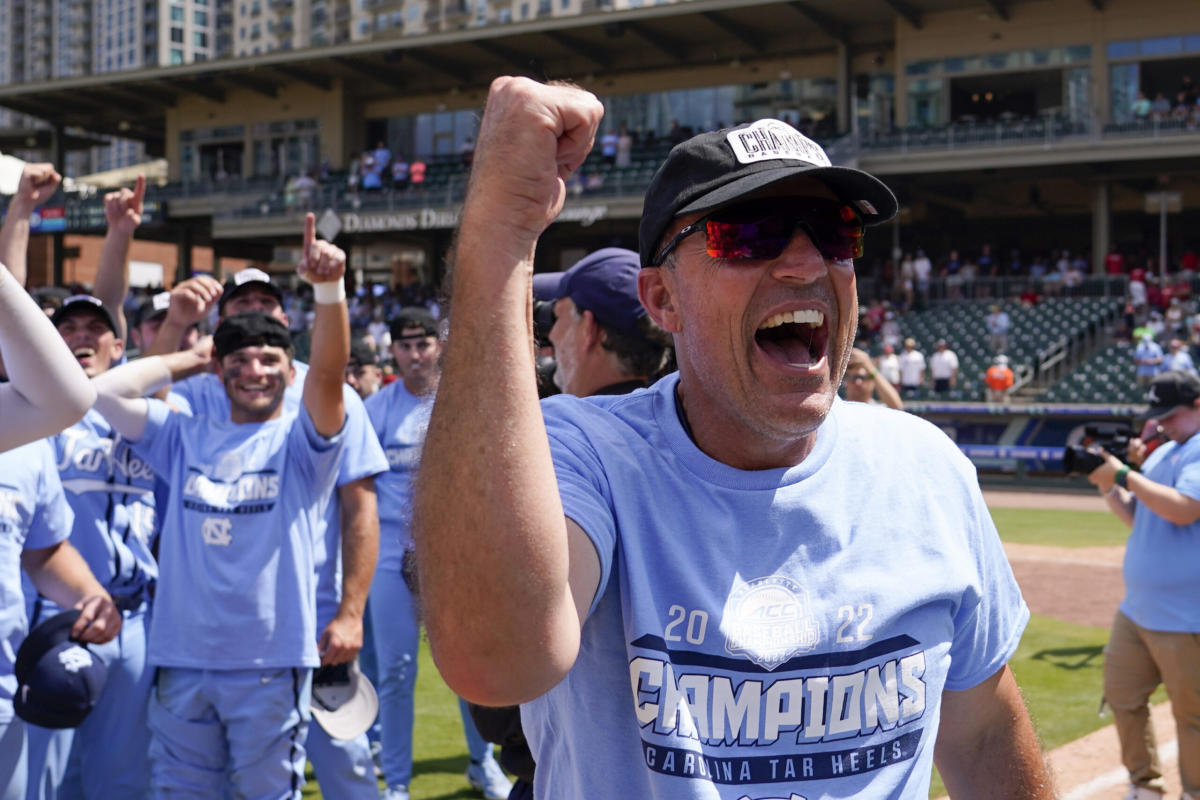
[14,240]
[61,574]
[1165,501]
[360,543]
[112,275]
[327,368]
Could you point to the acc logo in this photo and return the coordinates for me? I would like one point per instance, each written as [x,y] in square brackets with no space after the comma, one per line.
[216,530]
[75,658]
[768,620]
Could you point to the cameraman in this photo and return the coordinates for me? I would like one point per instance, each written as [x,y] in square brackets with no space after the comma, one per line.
[1154,638]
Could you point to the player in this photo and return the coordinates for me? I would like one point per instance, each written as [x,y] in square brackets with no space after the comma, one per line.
[234,632]
[731,584]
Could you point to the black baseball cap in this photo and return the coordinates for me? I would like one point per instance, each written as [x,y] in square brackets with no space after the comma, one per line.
[604,282]
[718,167]
[251,329]
[411,317]
[83,304]
[251,277]
[362,354]
[1169,391]
[59,680]
[152,307]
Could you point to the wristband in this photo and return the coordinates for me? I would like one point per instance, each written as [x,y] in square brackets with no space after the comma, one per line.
[873,373]
[1121,478]
[329,293]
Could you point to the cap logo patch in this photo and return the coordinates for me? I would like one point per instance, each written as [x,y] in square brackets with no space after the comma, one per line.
[75,658]
[771,139]
[1152,395]
[161,301]
[251,274]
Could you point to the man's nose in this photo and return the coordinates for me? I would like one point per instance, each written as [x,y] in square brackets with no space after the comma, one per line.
[800,261]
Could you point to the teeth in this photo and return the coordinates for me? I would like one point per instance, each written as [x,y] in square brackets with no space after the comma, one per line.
[84,352]
[807,316]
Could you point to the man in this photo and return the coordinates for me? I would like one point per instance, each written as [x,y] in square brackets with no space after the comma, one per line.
[688,586]
[865,384]
[1156,633]
[1148,357]
[112,494]
[603,341]
[399,415]
[998,325]
[912,367]
[345,559]
[362,370]
[234,635]
[999,379]
[943,367]
[888,364]
[151,314]
[1177,359]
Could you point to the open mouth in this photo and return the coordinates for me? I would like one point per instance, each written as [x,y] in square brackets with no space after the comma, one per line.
[795,338]
[84,353]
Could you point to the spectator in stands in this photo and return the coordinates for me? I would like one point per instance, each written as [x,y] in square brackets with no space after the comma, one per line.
[1160,109]
[1148,357]
[951,272]
[399,173]
[1178,358]
[912,368]
[1140,107]
[863,382]
[999,379]
[889,365]
[1155,325]
[305,184]
[987,265]
[382,156]
[890,330]
[998,325]
[943,367]
[467,151]
[1073,278]
[1137,293]
[922,272]
[624,147]
[371,173]
[908,281]
[1114,262]
[1189,261]
[608,147]
[416,174]
[1173,318]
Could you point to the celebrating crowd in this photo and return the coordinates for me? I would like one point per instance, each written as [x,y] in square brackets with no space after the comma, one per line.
[723,583]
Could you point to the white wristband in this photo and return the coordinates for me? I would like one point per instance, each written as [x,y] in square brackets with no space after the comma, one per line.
[329,292]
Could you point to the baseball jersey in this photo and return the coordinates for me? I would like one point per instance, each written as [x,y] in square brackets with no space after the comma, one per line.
[112,492]
[1161,589]
[241,528]
[767,634]
[33,515]
[204,395]
[400,420]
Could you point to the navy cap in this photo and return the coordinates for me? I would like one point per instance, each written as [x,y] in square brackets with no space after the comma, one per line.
[154,306]
[244,280]
[1170,391]
[604,282]
[59,680]
[718,167]
[362,354]
[83,303]
[411,317]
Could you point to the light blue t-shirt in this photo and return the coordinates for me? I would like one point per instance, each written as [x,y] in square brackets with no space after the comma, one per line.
[33,515]
[240,532]
[204,395]
[1162,588]
[758,634]
[1147,350]
[400,420]
[1181,361]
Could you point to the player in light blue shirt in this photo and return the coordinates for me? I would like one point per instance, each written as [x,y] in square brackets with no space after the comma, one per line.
[35,523]
[399,414]
[234,631]
[345,560]
[731,585]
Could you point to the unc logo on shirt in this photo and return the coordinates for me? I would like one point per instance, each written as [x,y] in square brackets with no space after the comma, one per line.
[403,456]
[75,658]
[216,530]
[769,620]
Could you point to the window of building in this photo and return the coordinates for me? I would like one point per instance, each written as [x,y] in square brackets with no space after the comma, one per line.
[199,39]
[176,15]
[177,35]
[176,55]
[200,18]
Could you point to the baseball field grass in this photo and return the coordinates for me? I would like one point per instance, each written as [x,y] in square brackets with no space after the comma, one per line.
[1059,666]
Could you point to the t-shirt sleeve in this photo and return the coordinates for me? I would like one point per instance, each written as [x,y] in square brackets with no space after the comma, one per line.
[363,455]
[992,615]
[159,445]
[1188,482]
[316,456]
[583,488]
[52,518]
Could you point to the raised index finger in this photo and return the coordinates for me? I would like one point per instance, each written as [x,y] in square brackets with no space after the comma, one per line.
[310,233]
[139,192]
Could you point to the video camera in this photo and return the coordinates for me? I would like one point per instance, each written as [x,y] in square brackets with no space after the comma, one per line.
[1083,455]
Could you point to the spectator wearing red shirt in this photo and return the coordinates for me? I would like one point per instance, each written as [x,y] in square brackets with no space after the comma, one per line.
[1114,262]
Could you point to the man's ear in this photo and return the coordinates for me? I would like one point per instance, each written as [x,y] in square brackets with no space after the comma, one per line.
[593,332]
[655,292]
[118,349]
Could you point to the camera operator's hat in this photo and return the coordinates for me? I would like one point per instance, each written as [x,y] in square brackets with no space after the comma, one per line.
[344,702]
[718,167]
[59,680]
[1169,391]
[246,279]
[604,282]
[83,304]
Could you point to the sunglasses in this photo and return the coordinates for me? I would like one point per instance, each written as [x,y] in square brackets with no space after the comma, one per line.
[761,229]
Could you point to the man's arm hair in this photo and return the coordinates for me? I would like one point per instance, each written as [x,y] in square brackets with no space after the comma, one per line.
[323,263]
[986,746]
